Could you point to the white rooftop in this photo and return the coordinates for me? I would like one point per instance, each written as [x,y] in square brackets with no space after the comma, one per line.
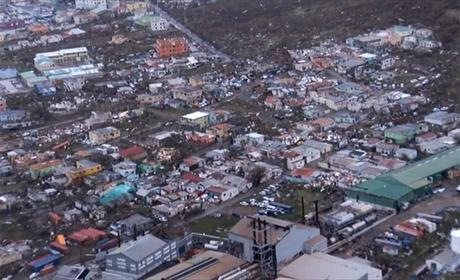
[326,267]
[196,115]
[63,52]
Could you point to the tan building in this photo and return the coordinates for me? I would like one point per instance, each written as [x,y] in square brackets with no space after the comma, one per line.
[102,135]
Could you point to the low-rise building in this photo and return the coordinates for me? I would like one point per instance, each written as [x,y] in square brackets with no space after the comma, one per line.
[402,133]
[91,4]
[134,153]
[221,131]
[44,169]
[321,146]
[102,135]
[200,119]
[135,224]
[442,118]
[303,175]
[294,159]
[12,116]
[61,58]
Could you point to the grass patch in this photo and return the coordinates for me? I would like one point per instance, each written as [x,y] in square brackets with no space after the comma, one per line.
[295,199]
[218,226]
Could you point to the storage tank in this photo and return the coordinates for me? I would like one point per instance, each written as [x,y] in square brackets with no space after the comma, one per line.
[455,240]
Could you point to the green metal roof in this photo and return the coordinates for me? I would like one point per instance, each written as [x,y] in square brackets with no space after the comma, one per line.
[397,184]
[384,186]
[428,167]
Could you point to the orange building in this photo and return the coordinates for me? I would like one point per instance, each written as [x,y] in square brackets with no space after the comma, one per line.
[171,47]
[38,28]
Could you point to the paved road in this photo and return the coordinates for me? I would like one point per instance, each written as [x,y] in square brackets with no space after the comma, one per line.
[225,58]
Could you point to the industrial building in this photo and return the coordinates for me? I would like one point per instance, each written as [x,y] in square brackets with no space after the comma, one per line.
[288,238]
[320,266]
[406,184]
[134,259]
[209,265]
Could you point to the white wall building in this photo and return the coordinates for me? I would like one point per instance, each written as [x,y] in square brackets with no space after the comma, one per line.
[159,24]
[91,4]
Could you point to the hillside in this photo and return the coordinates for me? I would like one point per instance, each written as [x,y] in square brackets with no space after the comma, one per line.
[247,28]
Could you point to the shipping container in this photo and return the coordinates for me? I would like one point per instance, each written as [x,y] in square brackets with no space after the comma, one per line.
[285,207]
[406,231]
[47,270]
[60,248]
[112,243]
[432,218]
[39,263]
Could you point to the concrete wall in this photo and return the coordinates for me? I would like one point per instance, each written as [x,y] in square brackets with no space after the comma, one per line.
[248,254]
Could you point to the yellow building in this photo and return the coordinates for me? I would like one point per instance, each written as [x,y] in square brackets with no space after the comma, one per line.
[84,168]
[133,6]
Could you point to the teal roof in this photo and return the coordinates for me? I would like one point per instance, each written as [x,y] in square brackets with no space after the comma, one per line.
[116,193]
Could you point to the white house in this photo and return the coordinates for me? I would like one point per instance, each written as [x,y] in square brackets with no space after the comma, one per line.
[294,160]
[255,139]
[223,193]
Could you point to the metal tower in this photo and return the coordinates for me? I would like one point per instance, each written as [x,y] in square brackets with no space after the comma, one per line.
[263,249]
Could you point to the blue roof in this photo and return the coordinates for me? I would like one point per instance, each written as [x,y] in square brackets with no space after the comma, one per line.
[8,73]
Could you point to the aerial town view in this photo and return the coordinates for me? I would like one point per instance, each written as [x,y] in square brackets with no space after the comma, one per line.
[229,139]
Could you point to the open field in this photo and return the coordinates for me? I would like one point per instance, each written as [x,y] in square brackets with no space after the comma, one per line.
[214,225]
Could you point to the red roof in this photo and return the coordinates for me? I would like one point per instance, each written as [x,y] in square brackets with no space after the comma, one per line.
[428,136]
[408,230]
[55,217]
[192,177]
[78,237]
[87,233]
[323,122]
[132,151]
[291,154]
[214,189]
[304,172]
[46,164]
[271,100]
[223,126]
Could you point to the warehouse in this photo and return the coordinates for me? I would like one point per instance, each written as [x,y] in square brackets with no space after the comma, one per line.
[138,257]
[329,267]
[406,184]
